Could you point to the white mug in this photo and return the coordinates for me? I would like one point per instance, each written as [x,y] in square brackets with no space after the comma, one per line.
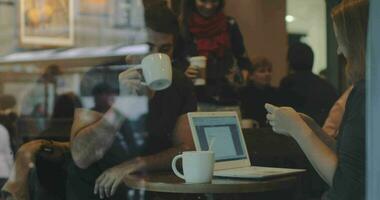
[200,62]
[157,71]
[198,166]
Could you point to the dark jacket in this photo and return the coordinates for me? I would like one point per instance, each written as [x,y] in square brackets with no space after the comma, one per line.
[309,94]
[253,100]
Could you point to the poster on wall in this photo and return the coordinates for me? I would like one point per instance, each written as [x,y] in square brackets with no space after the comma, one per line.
[46,23]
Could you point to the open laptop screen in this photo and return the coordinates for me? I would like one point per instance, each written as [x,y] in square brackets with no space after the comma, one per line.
[224,130]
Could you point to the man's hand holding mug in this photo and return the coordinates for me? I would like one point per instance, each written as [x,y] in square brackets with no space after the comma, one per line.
[155,72]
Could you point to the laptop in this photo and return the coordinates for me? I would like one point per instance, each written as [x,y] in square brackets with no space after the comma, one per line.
[222,129]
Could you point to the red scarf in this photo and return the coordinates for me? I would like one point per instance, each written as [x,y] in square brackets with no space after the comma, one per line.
[210,34]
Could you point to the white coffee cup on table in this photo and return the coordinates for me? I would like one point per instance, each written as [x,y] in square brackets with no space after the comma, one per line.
[198,166]
[156,70]
[200,63]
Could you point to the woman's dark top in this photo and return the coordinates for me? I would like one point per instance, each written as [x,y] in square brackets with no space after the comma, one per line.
[253,100]
[348,181]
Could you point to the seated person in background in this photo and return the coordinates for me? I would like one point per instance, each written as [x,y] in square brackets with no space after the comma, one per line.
[229,87]
[303,90]
[343,167]
[98,171]
[104,96]
[9,118]
[132,138]
[6,158]
[258,91]
[58,129]
[17,186]
[60,123]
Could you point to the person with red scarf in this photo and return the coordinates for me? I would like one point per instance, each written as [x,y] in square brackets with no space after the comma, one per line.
[206,31]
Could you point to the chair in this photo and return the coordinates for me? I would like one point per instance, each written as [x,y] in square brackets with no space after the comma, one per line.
[18,186]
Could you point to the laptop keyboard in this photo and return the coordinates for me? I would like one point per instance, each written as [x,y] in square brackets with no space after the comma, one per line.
[258,172]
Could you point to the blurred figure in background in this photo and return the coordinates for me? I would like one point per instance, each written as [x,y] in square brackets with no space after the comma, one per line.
[258,91]
[104,96]
[6,155]
[206,31]
[38,113]
[9,140]
[130,138]
[229,86]
[8,118]
[60,123]
[37,101]
[303,90]
[7,103]
[26,185]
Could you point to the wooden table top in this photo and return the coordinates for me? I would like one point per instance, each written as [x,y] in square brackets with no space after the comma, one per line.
[168,182]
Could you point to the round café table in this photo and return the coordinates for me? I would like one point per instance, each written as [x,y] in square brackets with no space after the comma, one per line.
[167,182]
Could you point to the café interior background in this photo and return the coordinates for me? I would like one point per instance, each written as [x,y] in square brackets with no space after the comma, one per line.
[267,27]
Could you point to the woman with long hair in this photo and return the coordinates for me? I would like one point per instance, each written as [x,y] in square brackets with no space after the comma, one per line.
[206,31]
[340,162]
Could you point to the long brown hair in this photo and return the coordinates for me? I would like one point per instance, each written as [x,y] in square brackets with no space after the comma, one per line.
[351,21]
[187,7]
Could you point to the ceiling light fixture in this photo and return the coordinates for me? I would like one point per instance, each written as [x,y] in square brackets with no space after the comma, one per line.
[289,18]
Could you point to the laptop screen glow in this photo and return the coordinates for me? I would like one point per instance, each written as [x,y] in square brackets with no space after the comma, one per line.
[224,130]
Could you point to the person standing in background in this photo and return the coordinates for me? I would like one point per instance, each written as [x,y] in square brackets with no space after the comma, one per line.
[206,31]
